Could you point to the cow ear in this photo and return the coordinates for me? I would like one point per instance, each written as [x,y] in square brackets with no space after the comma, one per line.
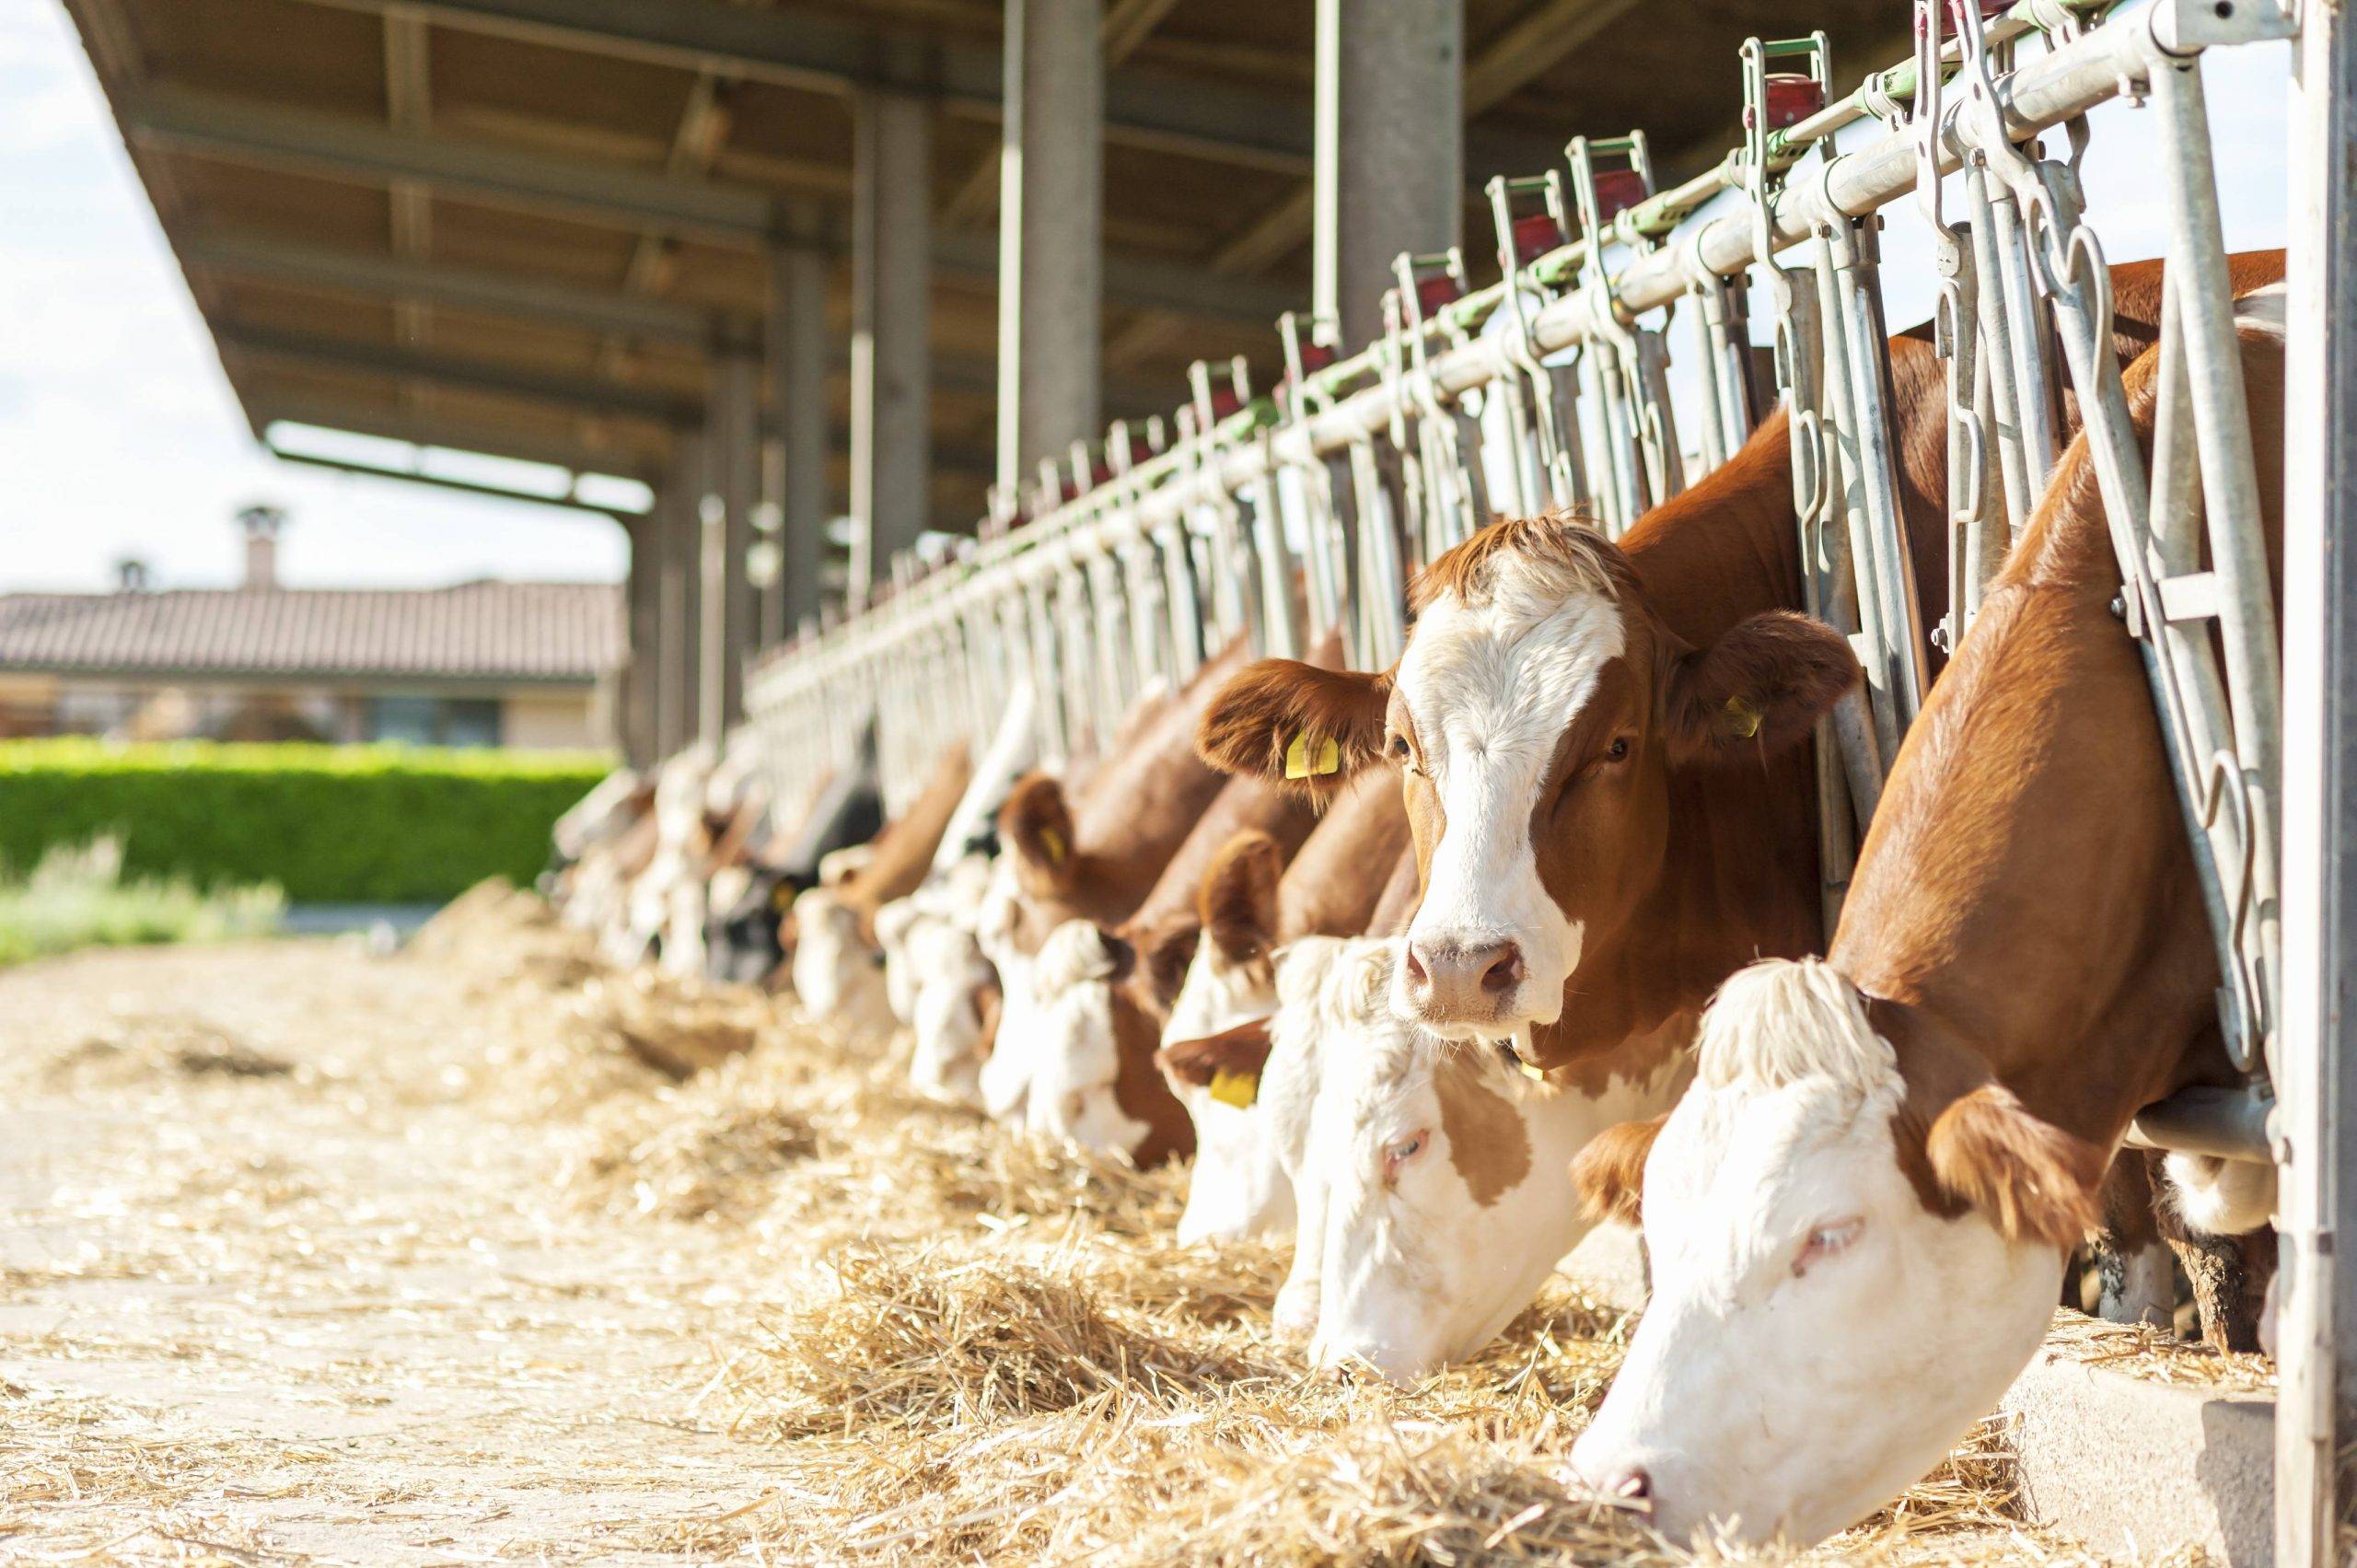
[1237,899]
[1240,1053]
[1295,725]
[1610,1174]
[1760,687]
[2032,1180]
[1036,827]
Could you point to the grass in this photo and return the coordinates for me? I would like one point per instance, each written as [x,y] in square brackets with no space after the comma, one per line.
[76,897]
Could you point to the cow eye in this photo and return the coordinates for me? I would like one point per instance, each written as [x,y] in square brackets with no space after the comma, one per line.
[1398,745]
[1825,1241]
[1400,1151]
[1617,749]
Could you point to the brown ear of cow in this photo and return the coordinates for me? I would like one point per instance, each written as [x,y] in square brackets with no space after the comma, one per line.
[1237,899]
[1296,724]
[1760,687]
[1242,1051]
[2026,1176]
[1035,823]
[1610,1174]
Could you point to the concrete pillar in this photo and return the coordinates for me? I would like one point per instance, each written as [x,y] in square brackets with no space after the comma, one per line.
[1389,146]
[732,458]
[1051,177]
[891,456]
[797,354]
[679,646]
[641,685]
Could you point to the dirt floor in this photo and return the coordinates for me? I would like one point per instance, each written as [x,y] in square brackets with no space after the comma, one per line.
[313,1255]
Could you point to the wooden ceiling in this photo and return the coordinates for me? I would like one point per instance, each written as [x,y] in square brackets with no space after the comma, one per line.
[515,226]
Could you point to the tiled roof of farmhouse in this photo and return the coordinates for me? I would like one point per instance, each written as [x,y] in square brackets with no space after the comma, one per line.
[490,631]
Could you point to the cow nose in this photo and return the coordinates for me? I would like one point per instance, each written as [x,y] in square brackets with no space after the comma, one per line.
[1455,979]
[1632,1484]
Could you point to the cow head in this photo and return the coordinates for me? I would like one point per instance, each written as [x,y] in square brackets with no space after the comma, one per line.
[957,998]
[1431,1206]
[1540,718]
[1099,1001]
[838,978]
[1829,1217]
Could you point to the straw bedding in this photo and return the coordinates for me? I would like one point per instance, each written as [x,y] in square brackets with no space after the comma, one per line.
[971,1346]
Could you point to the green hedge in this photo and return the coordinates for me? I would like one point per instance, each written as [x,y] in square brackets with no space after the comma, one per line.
[329,824]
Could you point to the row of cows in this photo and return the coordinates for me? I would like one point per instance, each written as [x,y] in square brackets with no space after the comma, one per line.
[1437,966]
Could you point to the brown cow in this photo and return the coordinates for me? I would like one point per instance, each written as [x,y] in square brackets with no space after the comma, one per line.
[1887,1154]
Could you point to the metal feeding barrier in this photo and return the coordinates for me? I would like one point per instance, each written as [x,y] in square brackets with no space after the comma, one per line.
[1551,389]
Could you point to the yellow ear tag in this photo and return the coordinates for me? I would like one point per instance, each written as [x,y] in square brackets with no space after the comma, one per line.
[781,896]
[1053,842]
[1239,1090]
[1300,763]
[1535,1074]
[1743,719]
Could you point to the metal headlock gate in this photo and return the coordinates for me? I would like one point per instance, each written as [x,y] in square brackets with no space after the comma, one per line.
[1551,389]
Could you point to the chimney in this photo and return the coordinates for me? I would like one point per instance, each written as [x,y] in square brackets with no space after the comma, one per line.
[261,525]
[131,575]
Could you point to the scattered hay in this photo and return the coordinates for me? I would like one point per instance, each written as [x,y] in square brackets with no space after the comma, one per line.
[139,1050]
[2139,1350]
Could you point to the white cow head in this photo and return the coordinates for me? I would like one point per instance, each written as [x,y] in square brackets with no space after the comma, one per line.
[1076,1057]
[955,997]
[1855,1247]
[836,974]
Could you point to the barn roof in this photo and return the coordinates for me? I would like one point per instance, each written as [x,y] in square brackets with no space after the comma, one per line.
[520,225]
[557,632]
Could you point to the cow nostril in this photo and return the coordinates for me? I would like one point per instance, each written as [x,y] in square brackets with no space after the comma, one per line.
[1505,971]
[1633,1485]
[1416,975]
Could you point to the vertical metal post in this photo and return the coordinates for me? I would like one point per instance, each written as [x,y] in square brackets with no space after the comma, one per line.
[1051,226]
[733,456]
[2316,1073]
[1389,149]
[892,361]
[798,355]
[683,593]
[641,673]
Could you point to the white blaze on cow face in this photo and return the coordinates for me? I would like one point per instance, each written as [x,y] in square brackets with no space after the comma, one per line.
[1488,688]
[1817,1339]
[1006,1079]
[947,1018]
[836,975]
[1076,1055]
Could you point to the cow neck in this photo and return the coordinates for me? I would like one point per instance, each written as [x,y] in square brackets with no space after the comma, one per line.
[1334,883]
[2026,893]
[1726,549]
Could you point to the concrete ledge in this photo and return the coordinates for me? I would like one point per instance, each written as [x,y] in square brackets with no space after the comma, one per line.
[2129,1467]
[2137,1467]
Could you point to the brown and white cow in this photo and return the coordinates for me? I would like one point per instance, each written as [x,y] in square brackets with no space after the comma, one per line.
[1887,1154]
[1253,908]
[1094,856]
[1102,995]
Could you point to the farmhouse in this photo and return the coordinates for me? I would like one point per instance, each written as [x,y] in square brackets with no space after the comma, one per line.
[528,665]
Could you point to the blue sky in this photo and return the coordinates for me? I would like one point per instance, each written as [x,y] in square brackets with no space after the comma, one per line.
[119,434]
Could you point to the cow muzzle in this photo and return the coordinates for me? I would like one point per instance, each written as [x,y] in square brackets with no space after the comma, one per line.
[1444,982]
